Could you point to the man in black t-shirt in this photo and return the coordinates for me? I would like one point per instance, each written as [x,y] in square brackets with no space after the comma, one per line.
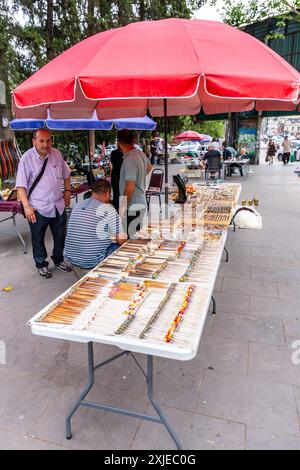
[153,150]
[213,160]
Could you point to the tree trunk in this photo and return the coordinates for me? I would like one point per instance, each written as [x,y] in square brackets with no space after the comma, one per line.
[90,17]
[142,10]
[49,30]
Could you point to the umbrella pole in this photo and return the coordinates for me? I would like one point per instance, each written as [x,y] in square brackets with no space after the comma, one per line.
[90,159]
[166,157]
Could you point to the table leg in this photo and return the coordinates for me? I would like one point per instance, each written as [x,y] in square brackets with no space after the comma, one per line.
[149,378]
[19,235]
[156,405]
[214,305]
[227,255]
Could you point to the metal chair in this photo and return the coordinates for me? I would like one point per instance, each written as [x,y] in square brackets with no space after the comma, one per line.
[155,186]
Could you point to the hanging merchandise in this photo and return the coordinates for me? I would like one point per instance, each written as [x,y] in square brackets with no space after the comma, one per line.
[9,158]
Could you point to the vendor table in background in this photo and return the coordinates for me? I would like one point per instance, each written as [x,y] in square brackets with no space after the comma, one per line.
[242,164]
[14,208]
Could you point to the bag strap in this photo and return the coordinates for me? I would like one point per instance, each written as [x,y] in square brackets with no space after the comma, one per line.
[38,178]
[243,209]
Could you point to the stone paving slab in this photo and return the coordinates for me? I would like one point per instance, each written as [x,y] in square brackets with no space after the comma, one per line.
[282,253]
[250,287]
[195,431]
[285,275]
[273,363]
[276,308]
[24,399]
[248,400]
[244,260]
[297,399]
[292,330]
[92,429]
[15,441]
[223,354]
[262,439]
[289,291]
[232,302]
[248,328]
[235,271]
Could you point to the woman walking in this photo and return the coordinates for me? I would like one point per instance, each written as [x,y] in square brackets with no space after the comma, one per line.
[271,151]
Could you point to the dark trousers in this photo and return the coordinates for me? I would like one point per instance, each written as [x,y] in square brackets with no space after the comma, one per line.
[285,157]
[38,229]
[233,166]
[134,220]
[152,158]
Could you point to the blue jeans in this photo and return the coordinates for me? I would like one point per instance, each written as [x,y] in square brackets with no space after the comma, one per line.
[111,248]
[38,229]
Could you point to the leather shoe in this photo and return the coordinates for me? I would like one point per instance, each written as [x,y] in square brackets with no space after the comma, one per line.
[44,272]
[63,266]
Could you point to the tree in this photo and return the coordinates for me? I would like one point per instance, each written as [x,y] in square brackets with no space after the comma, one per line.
[239,14]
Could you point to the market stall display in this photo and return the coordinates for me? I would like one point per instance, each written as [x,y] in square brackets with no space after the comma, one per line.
[151,295]
[9,158]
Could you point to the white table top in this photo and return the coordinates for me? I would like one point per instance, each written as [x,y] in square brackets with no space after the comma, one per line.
[177,349]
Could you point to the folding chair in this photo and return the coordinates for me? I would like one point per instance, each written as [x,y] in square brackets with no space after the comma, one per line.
[155,186]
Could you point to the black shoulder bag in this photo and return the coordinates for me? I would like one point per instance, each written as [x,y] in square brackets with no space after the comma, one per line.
[34,184]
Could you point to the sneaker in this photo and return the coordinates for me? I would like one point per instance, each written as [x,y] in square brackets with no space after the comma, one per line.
[44,272]
[63,266]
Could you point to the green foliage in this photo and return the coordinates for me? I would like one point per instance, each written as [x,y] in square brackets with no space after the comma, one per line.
[190,123]
[32,32]
[238,13]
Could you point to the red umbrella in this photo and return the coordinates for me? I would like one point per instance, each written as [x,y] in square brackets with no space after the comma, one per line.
[190,135]
[191,63]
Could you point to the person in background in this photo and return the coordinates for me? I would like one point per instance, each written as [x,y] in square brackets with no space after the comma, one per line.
[216,144]
[212,158]
[160,151]
[242,155]
[45,207]
[228,152]
[153,150]
[116,160]
[94,230]
[132,181]
[286,150]
[271,151]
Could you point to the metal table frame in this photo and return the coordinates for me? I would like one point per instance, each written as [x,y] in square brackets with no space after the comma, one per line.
[98,406]
[243,164]
[13,217]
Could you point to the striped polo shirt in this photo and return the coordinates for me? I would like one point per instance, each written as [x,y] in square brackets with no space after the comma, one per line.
[91,226]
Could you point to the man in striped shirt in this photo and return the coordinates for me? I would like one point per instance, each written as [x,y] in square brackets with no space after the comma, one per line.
[93,226]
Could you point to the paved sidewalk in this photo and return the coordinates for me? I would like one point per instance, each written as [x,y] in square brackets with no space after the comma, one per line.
[242,391]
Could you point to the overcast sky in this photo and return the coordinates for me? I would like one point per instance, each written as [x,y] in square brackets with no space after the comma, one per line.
[208,13]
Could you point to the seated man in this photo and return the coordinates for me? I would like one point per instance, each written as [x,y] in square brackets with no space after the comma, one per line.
[213,161]
[233,166]
[92,225]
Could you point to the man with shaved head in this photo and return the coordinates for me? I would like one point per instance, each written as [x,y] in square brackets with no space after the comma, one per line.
[43,183]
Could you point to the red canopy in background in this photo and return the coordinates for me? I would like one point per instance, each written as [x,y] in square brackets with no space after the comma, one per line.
[190,135]
[192,63]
